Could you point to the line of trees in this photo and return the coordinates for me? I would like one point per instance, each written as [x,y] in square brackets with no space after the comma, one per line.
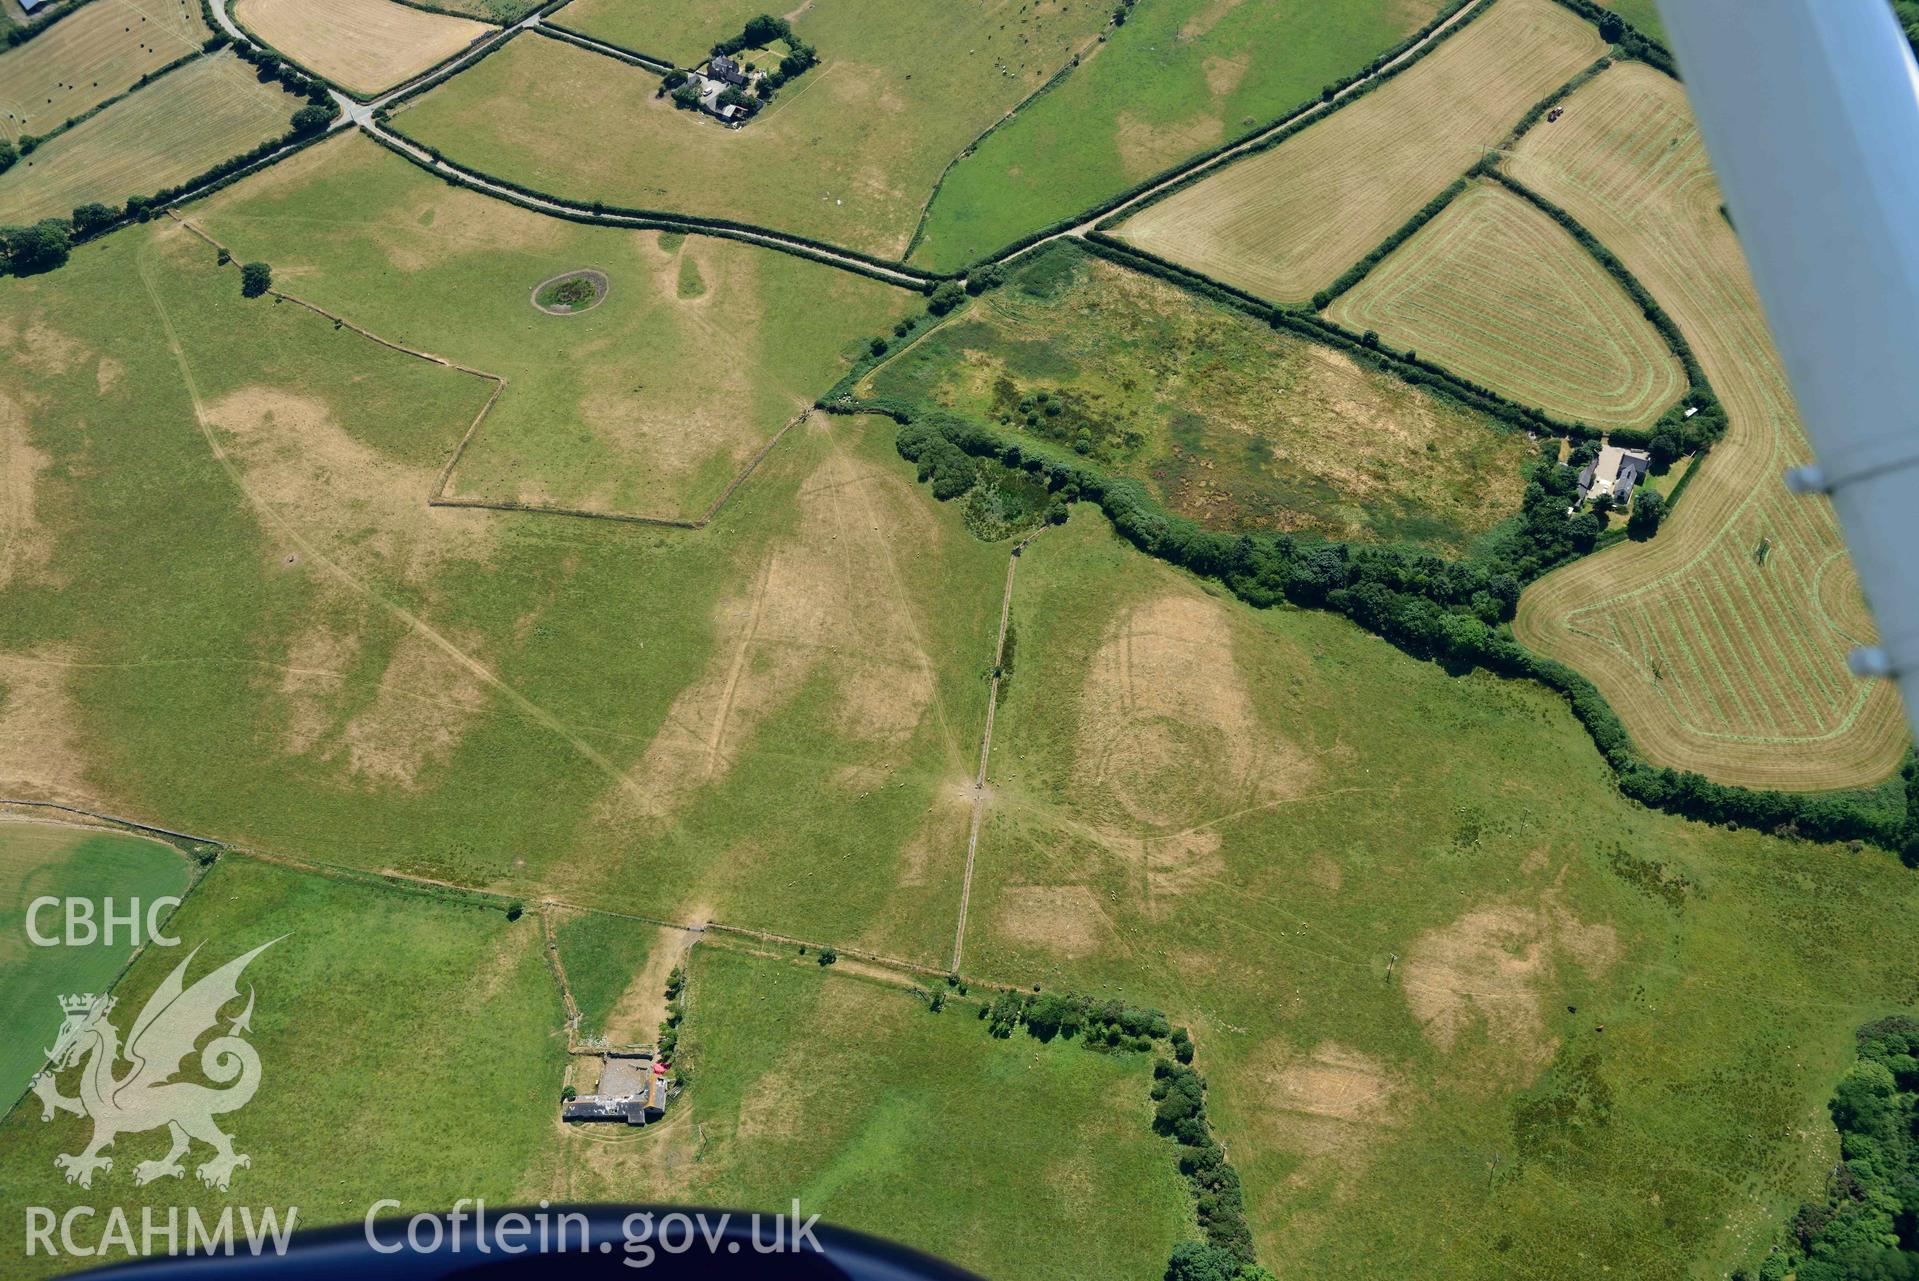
[1455,612]
[1179,1113]
[1867,1227]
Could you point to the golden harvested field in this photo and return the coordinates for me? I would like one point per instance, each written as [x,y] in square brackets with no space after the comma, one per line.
[1285,222]
[173,129]
[1498,291]
[364,46]
[1722,642]
[98,51]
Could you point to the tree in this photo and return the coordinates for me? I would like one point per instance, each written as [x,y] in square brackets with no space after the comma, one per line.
[1612,28]
[991,276]
[687,97]
[41,247]
[255,279]
[91,218]
[1667,444]
[1197,1261]
[311,120]
[828,956]
[8,154]
[947,296]
[1647,511]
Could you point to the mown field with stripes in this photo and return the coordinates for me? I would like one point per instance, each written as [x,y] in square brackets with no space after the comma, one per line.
[1722,643]
[1495,290]
[174,128]
[99,50]
[1285,222]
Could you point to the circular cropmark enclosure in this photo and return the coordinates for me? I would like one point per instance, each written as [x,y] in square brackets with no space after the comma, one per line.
[571,292]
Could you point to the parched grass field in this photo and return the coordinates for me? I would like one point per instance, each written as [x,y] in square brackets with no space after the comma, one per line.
[377,1013]
[99,50]
[46,859]
[364,46]
[1176,79]
[1722,642]
[1224,419]
[667,29]
[1286,221]
[648,404]
[178,126]
[848,153]
[1245,816]
[1495,290]
[767,720]
[849,1094]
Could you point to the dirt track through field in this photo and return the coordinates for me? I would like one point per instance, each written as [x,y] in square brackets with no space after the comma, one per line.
[1722,642]
[986,746]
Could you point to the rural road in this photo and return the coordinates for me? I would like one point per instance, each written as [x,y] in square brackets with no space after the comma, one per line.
[357,114]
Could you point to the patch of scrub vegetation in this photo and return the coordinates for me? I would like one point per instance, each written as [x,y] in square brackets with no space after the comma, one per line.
[770,1044]
[691,284]
[648,404]
[849,153]
[39,860]
[1179,77]
[574,292]
[369,999]
[1004,502]
[1222,418]
[1423,990]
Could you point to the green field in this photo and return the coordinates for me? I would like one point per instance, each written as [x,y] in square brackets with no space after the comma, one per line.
[1643,14]
[1224,419]
[1176,79]
[649,404]
[1286,221]
[848,153]
[98,51]
[764,720]
[664,29]
[848,1094]
[1494,289]
[40,860]
[1243,816]
[179,126]
[384,1019]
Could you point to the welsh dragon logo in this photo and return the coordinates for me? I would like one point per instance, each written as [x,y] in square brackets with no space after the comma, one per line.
[145,1096]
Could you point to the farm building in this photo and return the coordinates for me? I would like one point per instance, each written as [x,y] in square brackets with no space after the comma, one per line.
[632,1089]
[1614,472]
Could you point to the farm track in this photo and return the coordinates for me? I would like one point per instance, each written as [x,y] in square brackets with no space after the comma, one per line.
[1726,654]
[986,746]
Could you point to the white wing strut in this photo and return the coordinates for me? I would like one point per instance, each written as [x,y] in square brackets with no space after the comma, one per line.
[1810,110]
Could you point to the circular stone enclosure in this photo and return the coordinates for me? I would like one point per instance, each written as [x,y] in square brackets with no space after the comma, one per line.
[571,292]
